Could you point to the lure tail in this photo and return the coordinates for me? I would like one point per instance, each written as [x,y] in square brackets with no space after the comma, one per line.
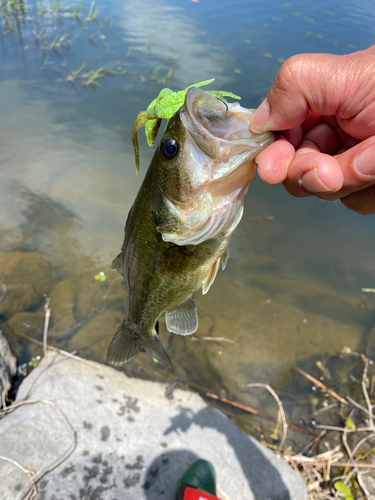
[127,344]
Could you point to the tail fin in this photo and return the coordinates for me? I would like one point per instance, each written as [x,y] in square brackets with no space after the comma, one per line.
[127,343]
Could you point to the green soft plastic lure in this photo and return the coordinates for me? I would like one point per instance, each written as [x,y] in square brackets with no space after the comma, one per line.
[165,106]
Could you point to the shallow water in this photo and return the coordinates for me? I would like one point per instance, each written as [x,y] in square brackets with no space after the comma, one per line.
[291,293]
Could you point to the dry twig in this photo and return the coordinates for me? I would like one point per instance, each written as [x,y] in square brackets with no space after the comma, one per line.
[217,339]
[29,488]
[311,444]
[4,395]
[258,413]
[281,409]
[67,354]
[47,314]
[321,385]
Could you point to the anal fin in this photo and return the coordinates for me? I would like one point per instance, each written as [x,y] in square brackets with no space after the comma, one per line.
[183,319]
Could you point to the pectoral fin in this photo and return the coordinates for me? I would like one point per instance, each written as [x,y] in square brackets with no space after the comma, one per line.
[183,319]
[224,259]
[173,261]
[211,276]
[117,264]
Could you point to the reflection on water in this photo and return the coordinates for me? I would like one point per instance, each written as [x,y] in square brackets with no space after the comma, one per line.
[291,293]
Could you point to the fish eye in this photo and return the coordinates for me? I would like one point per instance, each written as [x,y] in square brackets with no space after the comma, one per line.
[169,148]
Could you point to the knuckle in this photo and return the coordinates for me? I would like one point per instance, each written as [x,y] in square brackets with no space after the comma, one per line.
[291,72]
[296,81]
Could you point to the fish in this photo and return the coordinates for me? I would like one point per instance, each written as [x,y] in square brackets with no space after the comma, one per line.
[178,229]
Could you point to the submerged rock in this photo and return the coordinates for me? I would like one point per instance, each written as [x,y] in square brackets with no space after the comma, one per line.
[62,308]
[8,366]
[269,336]
[98,333]
[26,323]
[13,239]
[312,296]
[26,276]
[131,442]
[93,295]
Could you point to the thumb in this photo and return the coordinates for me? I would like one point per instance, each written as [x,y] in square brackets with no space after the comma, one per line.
[326,84]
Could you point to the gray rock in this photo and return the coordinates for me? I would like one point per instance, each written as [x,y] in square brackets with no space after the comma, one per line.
[8,366]
[131,442]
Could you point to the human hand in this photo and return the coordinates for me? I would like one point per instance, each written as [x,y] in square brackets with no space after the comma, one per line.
[325,106]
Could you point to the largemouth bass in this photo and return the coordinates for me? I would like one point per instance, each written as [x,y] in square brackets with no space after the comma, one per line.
[178,229]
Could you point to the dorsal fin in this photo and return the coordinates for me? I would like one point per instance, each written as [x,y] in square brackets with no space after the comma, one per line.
[183,319]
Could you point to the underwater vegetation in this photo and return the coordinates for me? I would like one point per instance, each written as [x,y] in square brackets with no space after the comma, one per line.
[53,34]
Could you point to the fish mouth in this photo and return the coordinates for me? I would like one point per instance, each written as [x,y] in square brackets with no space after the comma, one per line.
[221,129]
[219,161]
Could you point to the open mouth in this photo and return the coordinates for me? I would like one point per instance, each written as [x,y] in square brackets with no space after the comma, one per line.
[220,161]
[216,125]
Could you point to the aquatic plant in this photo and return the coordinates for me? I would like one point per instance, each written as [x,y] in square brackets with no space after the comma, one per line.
[92,76]
[57,28]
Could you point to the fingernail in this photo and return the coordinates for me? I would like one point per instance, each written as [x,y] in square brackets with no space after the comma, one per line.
[364,163]
[260,118]
[311,182]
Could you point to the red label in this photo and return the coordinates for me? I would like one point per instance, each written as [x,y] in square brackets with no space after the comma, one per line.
[191,494]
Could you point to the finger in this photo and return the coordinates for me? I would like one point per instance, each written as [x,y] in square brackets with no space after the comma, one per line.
[362,202]
[313,172]
[330,120]
[311,121]
[300,86]
[324,137]
[346,140]
[358,167]
[324,131]
[326,84]
[273,162]
[294,136]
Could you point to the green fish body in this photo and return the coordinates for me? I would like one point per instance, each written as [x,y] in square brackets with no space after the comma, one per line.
[178,229]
